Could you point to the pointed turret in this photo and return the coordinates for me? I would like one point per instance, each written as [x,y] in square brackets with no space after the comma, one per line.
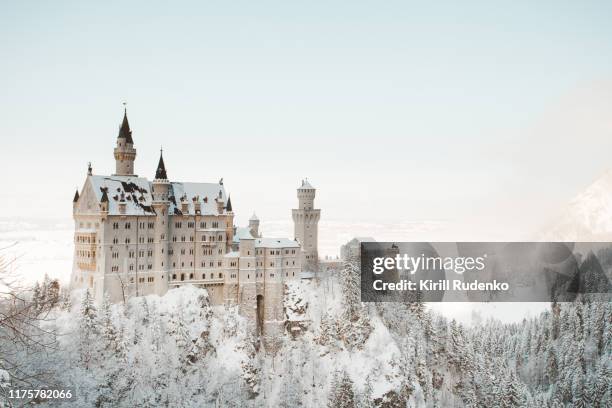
[161,185]
[228,206]
[75,201]
[124,152]
[160,173]
[104,198]
[124,130]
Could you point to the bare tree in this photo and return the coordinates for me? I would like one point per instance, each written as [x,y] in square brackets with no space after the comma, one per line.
[20,324]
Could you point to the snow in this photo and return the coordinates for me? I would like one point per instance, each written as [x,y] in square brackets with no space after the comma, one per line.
[140,199]
[587,217]
[242,233]
[276,243]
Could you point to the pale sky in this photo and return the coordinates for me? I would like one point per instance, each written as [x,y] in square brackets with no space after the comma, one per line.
[488,115]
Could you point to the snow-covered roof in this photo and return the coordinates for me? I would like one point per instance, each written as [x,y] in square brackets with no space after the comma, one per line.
[136,192]
[138,198]
[306,184]
[276,243]
[254,217]
[206,192]
[242,233]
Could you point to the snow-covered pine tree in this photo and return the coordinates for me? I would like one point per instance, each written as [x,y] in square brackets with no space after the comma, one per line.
[88,330]
[343,395]
[350,281]
[366,398]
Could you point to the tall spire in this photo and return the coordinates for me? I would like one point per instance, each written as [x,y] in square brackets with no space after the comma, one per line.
[76,196]
[160,173]
[228,206]
[124,130]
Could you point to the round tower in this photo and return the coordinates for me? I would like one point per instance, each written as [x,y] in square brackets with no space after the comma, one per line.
[254,225]
[306,225]
[161,204]
[125,153]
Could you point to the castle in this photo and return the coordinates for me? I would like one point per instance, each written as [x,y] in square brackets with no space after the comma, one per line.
[134,237]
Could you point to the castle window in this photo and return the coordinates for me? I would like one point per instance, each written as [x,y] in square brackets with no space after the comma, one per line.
[202,225]
[182,276]
[202,264]
[220,275]
[150,279]
[203,237]
[174,264]
[191,238]
[293,262]
[140,280]
[174,276]
[212,276]
[131,267]
[271,275]
[127,225]
[219,263]
[203,276]
[248,276]
[191,276]
[271,263]
[182,264]
[174,239]
[293,273]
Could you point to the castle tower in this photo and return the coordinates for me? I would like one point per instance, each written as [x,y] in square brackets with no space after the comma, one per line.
[75,201]
[125,154]
[306,225]
[161,203]
[254,225]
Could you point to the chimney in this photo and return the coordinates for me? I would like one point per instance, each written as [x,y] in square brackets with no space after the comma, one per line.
[122,203]
[197,205]
[184,204]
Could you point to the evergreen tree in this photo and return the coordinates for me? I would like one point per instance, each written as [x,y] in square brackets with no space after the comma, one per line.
[350,280]
[343,395]
[88,330]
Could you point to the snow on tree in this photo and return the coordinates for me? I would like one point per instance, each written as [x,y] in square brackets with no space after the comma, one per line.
[341,393]
[88,330]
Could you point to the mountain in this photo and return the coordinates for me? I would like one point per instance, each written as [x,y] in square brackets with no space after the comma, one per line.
[587,217]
